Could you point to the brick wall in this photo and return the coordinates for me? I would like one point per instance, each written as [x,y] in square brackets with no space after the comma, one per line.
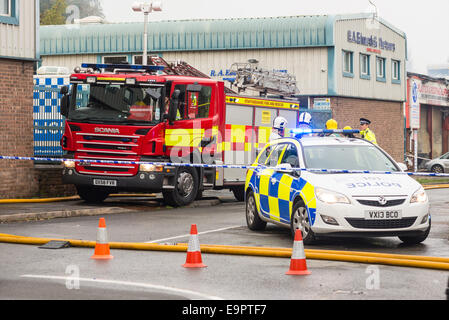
[386,117]
[16,128]
[20,179]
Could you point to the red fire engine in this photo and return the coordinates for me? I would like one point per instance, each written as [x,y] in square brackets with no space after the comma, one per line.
[157,114]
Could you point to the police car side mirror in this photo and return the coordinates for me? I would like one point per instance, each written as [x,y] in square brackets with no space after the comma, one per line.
[287,168]
[403,167]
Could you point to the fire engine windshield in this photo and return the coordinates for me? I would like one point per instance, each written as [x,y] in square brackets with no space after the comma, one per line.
[116,103]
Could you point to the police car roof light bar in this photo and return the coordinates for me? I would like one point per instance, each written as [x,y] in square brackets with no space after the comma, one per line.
[324,131]
[98,66]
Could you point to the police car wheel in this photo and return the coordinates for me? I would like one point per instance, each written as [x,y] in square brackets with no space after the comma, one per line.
[252,216]
[300,220]
[417,239]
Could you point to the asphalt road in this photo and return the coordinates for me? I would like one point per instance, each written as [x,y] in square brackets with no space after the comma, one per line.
[28,272]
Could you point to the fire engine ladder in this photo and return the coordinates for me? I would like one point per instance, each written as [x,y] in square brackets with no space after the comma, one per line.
[250,76]
[181,68]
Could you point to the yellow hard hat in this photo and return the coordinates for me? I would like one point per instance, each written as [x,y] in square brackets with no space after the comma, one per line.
[347,128]
[332,124]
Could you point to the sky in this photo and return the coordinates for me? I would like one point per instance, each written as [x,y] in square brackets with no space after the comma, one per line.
[426,23]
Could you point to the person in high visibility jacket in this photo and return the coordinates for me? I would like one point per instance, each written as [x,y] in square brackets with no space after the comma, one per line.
[348,135]
[366,132]
[332,124]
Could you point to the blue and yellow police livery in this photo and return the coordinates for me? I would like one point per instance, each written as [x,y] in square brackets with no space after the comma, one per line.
[328,203]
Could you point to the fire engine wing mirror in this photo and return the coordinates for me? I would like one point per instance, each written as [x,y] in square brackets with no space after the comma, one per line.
[64,90]
[65,101]
[174,103]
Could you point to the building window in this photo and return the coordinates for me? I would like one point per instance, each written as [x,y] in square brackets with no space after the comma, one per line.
[5,8]
[380,69]
[114,60]
[396,71]
[348,64]
[8,12]
[365,70]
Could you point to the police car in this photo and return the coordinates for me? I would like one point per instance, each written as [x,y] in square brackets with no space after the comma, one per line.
[326,203]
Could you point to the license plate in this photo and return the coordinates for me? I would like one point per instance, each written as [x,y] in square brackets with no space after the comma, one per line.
[383,214]
[105,183]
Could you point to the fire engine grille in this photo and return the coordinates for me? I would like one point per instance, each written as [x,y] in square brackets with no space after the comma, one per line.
[375,203]
[381,224]
[107,147]
[111,139]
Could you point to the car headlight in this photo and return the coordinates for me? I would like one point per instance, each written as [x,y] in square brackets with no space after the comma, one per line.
[330,197]
[419,196]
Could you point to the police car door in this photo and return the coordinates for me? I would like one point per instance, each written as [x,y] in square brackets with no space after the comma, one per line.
[269,183]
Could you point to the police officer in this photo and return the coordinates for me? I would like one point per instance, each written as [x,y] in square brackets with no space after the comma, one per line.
[279,126]
[366,132]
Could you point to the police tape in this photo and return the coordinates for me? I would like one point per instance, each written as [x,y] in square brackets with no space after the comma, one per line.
[226,166]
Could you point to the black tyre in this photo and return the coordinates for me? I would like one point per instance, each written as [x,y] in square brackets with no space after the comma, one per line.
[252,216]
[92,195]
[239,193]
[300,220]
[416,239]
[437,169]
[186,188]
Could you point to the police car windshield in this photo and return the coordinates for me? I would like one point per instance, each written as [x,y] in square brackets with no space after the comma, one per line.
[347,157]
[116,103]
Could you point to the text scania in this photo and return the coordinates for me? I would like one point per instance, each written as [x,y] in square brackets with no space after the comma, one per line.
[107,130]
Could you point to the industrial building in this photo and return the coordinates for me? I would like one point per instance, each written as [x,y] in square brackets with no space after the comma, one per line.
[353,65]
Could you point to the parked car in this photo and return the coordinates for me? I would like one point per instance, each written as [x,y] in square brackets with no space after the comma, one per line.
[439,165]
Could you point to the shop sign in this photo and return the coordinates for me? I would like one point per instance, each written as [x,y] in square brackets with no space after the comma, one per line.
[414,113]
[370,41]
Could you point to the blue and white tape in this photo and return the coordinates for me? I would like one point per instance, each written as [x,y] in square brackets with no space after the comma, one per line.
[226,166]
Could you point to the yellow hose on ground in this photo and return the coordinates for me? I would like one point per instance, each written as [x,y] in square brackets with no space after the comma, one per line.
[344,256]
[48,200]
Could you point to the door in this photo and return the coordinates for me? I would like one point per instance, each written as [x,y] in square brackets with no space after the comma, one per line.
[268,181]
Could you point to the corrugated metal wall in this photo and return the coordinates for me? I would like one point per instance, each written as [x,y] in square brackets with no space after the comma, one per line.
[69,61]
[357,87]
[19,41]
[304,63]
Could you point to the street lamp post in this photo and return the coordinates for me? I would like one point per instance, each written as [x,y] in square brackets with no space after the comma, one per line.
[146,8]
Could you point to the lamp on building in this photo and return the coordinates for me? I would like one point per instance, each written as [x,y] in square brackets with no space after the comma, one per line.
[146,8]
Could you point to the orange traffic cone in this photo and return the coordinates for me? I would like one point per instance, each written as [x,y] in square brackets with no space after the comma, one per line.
[298,265]
[194,251]
[102,246]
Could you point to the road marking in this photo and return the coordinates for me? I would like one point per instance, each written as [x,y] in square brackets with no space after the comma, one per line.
[191,294]
[187,235]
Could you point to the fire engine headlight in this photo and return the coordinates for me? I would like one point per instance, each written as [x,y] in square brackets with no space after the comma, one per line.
[419,196]
[330,197]
[69,164]
[131,81]
[150,168]
[91,79]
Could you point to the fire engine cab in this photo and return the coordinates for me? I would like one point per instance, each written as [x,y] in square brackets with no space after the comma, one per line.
[137,113]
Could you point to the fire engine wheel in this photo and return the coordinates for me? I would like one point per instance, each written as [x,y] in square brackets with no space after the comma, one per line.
[186,188]
[92,195]
[239,193]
